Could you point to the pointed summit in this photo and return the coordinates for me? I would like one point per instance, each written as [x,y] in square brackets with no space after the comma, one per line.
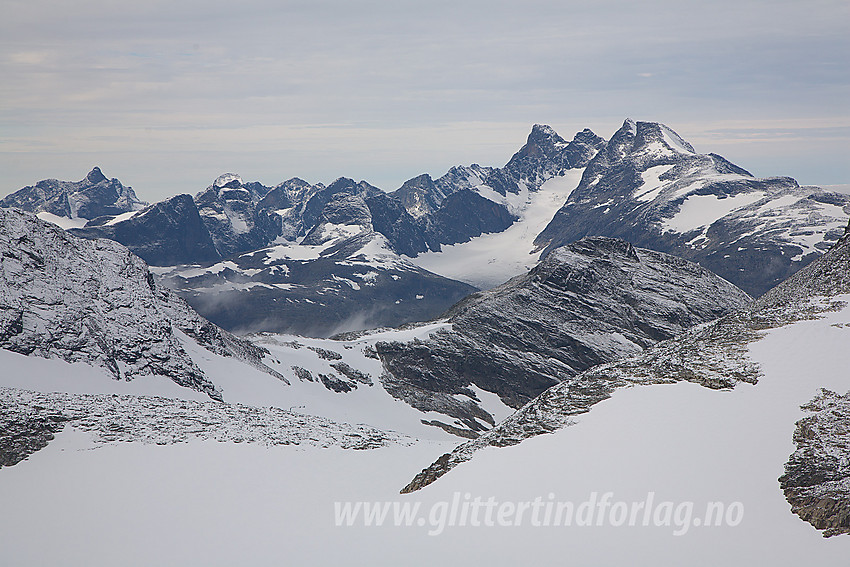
[622,141]
[95,175]
[541,132]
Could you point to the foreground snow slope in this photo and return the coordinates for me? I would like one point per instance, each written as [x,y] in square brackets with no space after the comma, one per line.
[206,503]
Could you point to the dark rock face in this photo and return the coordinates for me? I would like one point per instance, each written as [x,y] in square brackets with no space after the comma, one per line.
[341,209]
[95,302]
[229,211]
[164,234]
[310,212]
[89,198]
[594,301]
[649,187]
[25,430]
[546,154]
[465,214]
[451,209]
[817,475]
[392,219]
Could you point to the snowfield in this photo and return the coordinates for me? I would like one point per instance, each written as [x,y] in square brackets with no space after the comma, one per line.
[208,503]
[492,259]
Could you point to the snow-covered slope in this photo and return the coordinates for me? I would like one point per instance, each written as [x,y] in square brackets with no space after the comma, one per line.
[544,155]
[212,503]
[651,188]
[491,259]
[788,346]
[94,301]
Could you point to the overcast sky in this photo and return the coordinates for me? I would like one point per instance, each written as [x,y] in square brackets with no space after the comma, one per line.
[166,95]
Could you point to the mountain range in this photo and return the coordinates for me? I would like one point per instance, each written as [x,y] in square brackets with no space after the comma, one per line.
[315,259]
[625,338]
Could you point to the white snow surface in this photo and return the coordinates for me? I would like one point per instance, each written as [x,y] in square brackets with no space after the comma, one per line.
[56,375]
[702,210]
[675,141]
[122,217]
[652,185]
[207,503]
[62,222]
[491,259]
[365,404]
[226,178]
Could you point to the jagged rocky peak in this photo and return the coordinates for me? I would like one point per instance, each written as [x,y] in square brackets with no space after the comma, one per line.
[95,175]
[647,140]
[94,301]
[622,141]
[542,135]
[93,196]
[228,181]
[347,185]
[287,194]
[546,154]
[419,196]
[344,215]
[543,142]
[651,188]
[226,187]
[231,187]
[312,209]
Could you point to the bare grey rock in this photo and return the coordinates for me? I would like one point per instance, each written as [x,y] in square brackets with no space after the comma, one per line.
[592,302]
[713,355]
[33,418]
[94,301]
[817,475]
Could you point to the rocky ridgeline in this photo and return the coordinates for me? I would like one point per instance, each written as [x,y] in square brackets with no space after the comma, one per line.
[588,303]
[94,301]
[92,197]
[31,419]
[645,185]
[713,355]
[651,188]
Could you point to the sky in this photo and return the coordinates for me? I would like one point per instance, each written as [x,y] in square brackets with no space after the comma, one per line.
[167,95]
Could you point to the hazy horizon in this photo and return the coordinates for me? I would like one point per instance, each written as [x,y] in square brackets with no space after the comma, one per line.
[167,96]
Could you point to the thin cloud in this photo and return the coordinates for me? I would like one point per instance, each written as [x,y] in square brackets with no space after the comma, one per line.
[383,89]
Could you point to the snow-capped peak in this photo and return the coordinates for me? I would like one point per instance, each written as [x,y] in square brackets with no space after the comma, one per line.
[230,180]
[674,141]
